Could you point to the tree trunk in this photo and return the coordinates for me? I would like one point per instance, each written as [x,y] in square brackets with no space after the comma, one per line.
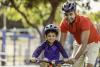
[54,5]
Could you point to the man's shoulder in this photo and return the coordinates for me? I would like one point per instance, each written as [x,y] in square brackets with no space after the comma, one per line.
[82,17]
[64,19]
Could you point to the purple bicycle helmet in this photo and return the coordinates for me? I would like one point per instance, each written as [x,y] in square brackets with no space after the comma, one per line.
[69,6]
[51,28]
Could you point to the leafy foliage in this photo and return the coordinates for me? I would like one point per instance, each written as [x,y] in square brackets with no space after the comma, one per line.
[95,17]
[34,12]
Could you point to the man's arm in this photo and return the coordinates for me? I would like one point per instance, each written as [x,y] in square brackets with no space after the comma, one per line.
[84,41]
[63,38]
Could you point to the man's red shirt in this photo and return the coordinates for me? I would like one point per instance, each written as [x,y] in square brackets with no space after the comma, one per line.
[80,24]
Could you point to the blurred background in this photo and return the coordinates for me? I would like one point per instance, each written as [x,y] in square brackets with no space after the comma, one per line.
[22,23]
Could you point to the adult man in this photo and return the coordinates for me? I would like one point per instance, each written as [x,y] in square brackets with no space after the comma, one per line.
[84,33]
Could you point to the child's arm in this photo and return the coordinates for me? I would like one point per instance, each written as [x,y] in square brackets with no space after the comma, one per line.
[63,52]
[65,55]
[38,51]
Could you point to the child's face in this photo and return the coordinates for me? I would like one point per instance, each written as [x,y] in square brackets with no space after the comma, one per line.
[51,37]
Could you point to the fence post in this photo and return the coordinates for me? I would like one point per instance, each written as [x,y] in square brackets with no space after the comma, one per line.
[14,57]
[3,47]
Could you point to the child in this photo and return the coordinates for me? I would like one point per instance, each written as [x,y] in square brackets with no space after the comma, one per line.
[52,48]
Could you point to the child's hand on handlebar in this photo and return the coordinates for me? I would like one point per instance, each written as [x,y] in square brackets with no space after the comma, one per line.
[33,59]
[53,61]
[45,59]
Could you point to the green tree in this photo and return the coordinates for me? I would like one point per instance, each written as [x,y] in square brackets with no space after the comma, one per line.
[31,12]
[95,16]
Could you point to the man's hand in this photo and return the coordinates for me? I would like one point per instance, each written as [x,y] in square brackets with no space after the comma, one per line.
[70,61]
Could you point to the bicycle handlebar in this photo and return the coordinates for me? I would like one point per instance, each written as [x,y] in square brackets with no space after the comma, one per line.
[47,61]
